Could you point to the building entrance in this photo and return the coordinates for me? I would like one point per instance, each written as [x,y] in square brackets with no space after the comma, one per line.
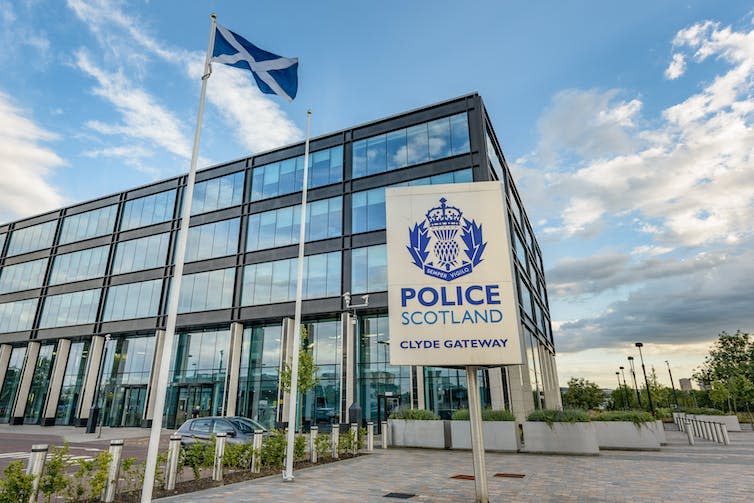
[128,406]
[193,400]
[386,405]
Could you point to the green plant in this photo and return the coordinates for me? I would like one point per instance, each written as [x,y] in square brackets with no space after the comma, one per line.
[159,469]
[637,417]
[703,411]
[345,443]
[196,456]
[299,447]
[415,414]
[89,479]
[583,394]
[487,415]
[238,456]
[272,453]
[551,416]
[132,473]
[323,446]
[53,479]
[16,487]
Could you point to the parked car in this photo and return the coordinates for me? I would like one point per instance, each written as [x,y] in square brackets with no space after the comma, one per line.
[238,429]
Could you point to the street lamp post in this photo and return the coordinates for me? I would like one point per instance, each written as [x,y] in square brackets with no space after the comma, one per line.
[672,385]
[617,374]
[625,386]
[646,381]
[636,386]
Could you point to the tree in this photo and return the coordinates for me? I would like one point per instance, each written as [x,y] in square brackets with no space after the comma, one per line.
[728,371]
[307,370]
[583,394]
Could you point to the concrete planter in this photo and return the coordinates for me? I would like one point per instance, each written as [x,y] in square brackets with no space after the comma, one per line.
[658,428]
[498,435]
[417,433]
[627,435]
[560,438]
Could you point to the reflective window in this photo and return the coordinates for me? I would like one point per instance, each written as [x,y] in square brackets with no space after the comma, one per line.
[324,219]
[80,265]
[287,176]
[148,210]
[446,390]
[133,300]
[515,209]
[10,382]
[89,224]
[24,276]
[369,269]
[258,390]
[519,248]
[142,253]
[74,308]
[39,383]
[36,237]
[272,282]
[433,140]
[73,379]
[497,166]
[320,405]
[368,206]
[126,375]
[525,298]
[17,316]
[205,291]
[2,242]
[221,192]
[217,239]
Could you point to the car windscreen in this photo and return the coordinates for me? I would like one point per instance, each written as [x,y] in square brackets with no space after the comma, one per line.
[246,425]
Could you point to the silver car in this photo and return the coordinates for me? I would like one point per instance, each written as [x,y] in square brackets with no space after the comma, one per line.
[238,429]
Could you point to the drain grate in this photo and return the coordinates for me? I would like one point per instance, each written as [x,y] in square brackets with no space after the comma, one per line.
[400,496]
[511,475]
[463,477]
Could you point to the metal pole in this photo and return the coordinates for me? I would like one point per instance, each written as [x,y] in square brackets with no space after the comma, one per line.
[313,432]
[175,286]
[113,474]
[35,467]
[174,451]
[617,374]
[672,384]
[646,381]
[292,406]
[625,387]
[636,386]
[383,435]
[477,436]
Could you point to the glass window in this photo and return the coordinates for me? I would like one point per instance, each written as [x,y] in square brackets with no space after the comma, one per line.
[369,269]
[217,239]
[359,162]
[320,405]
[217,193]
[139,254]
[148,210]
[24,276]
[417,144]
[133,300]
[446,390]
[272,282]
[515,208]
[494,159]
[285,177]
[89,224]
[36,237]
[205,291]
[439,138]
[376,154]
[258,377]
[459,133]
[40,381]
[17,316]
[397,152]
[74,308]
[525,298]
[519,248]
[73,379]
[80,265]
[2,242]
[11,381]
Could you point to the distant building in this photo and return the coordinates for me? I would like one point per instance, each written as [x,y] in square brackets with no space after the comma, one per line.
[685,384]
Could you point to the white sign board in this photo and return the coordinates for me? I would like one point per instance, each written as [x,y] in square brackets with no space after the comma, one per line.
[451,292]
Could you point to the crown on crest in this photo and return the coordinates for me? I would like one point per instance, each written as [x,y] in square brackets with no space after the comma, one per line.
[444,215]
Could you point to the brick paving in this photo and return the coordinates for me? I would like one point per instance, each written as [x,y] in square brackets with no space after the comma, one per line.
[706,472]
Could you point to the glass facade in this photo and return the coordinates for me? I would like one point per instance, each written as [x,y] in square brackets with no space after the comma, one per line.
[324,219]
[28,239]
[11,382]
[286,177]
[217,239]
[123,395]
[446,390]
[17,316]
[148,210]
[88,225]
[72,382]
[321,405]
[40,382]
[425,142]
[196,383]
[369,269]
[139,254]
[23,276]
[218,193]
[80,265]
[205,291]
[258,386]
[133,300]
[273,282]
[75,308]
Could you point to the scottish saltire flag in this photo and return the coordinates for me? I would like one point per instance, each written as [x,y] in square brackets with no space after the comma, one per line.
[274,74]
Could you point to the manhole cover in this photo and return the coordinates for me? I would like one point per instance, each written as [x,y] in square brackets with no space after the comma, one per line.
[511,475]
[463,477]
[400,496]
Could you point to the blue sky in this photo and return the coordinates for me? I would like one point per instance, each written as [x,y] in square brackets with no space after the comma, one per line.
[628,126]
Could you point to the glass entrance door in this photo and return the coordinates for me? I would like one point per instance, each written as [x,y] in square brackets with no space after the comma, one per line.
[127,407]
[386,405]
[194,400]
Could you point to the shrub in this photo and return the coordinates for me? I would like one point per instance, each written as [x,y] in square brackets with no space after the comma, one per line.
[550,416]
[272,453]
[635,416]
[89,479]
[132,473]
[703,411]
[196,456]
[416,414]
[16,486]
[299,447]
[323,446]
[663,413]
[238,455]
[487,415]
[53,479]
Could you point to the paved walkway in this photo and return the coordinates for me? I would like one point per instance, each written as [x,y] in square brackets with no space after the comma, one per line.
[77,434]
[704,473]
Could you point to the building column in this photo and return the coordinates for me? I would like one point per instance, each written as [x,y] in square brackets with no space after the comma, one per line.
[234,368]
[159,344]
[91,378]
[348,386]
[5,352]
[419,387]
[27,376]
[522,401]
[286,352]
[497,398]
[554,400]
[56,382]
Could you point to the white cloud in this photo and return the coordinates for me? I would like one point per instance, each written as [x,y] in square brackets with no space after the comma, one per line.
[677,66]
[26,165]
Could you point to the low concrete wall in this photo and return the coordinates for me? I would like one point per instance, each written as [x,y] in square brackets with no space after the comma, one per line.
[498,435]
[561,438]
[416,433]
[658,428]
[731,422]
[626,435]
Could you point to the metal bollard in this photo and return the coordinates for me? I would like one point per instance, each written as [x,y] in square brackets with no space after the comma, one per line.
[384,434]
[335,437]
[35,467]
[718,434]
[710,431]
[689,433]
[313,443]
[705,430]
[113,472]
[724,429]
[217,470]
[174,451]
[256,456]
[354,438]
[370,436]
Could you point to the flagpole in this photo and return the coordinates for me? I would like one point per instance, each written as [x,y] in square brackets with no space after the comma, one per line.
[292,407]
[167,350]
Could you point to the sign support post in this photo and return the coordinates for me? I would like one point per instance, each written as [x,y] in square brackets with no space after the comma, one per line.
[477,436]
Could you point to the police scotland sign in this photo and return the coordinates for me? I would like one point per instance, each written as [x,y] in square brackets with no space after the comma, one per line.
[451,294]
